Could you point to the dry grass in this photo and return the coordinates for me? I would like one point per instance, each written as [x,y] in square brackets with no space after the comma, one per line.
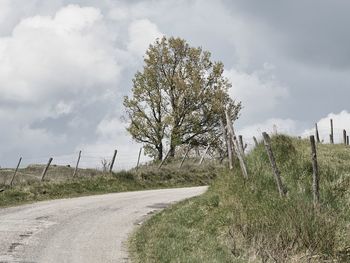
[59,182]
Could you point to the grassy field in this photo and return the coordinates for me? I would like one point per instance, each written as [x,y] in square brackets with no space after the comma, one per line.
[59,183]
[247,221]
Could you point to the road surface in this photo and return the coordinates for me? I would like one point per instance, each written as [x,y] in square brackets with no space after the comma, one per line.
[84,229]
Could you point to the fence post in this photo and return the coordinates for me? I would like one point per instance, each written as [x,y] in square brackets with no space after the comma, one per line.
[347,140]
[241,145]
[204,154]
[236,146]
[162,162]
[315,175]
[138,159]
[281,189]
[77,165]
[113,160]
[331,136]
[228,144]
[14,175]
[317,133]
[46,168]
[186,154]
[344,136]
[255,141]
[274,128]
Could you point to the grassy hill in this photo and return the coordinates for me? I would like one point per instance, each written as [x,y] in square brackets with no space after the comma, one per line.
[241,220]
[59,182]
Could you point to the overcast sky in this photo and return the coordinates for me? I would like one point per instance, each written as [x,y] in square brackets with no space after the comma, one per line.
[66,64]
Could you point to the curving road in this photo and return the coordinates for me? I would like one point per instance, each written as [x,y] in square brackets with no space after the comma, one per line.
[84,229]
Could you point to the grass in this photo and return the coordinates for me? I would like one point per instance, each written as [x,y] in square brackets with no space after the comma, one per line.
[59,183]
[241,220]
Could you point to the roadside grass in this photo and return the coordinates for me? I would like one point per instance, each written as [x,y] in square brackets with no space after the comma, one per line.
[59,183]
[246,221]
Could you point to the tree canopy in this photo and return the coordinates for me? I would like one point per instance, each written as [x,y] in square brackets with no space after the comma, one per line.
[178,98]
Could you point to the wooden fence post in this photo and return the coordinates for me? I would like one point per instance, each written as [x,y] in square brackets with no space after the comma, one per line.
[77,165]
[236,146]
[315,175]
[228,144]
[317,133]
[113,160]
[46,168]
[331,136]
[204,154]
[162,162]
[138,159]
[241,145]
[281,189]
[344,136]
[255,141]
[14,175]
[186,154]
[347,140]
[274,128]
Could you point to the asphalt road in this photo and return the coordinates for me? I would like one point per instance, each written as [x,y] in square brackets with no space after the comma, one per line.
[84,229]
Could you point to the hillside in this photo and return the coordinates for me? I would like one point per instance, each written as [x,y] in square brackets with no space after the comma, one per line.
[247,221]
[60,183]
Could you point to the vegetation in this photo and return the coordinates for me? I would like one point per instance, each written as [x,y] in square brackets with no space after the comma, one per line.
[59,182]
[241,220]
[179,98]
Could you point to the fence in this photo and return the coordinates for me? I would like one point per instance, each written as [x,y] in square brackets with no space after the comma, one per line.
[95,160]
[315,136]
[115,160]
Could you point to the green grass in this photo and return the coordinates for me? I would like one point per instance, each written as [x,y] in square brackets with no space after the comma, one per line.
[59,183]
[241,220]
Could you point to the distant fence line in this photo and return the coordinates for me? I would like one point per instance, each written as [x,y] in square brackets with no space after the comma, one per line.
[126,160]
[120,160]
[94,160]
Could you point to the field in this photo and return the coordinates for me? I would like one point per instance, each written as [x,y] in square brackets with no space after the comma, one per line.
[59,182]
[241,220]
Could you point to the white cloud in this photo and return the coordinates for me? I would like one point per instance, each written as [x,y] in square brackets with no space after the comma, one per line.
[119,13]
[291,127]
[281,126]
[259,91]
[341,121]
[141,34]
[112,135]
[51,56]
[63,108]
[110,127]
[52,67]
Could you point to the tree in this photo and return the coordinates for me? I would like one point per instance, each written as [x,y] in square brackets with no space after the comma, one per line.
[179,97]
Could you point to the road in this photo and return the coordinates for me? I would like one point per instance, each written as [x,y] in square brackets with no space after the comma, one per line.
[84,229]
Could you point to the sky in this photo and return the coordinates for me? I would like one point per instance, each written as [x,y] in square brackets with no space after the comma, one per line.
[65,66]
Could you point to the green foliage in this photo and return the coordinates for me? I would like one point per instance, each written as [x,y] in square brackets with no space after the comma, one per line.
[179,97]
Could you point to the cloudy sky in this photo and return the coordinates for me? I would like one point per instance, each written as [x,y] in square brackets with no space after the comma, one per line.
[66,64]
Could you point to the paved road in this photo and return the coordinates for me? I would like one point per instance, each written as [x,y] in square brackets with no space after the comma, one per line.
[84,229]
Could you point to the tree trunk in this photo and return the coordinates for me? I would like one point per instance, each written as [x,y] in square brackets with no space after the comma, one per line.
[160,152]
[172,150]
[173,142]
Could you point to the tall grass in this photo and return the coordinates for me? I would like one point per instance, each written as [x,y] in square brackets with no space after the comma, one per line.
[240,220]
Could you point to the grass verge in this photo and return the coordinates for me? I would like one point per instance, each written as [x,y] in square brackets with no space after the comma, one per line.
[247,221]
[60,184]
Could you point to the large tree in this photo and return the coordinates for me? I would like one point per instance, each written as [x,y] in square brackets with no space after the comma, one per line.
[179,97]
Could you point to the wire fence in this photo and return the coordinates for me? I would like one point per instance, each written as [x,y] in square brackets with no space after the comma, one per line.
[89,159]
[128,159]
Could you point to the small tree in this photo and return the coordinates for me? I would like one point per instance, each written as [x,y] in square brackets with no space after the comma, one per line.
[179,97]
